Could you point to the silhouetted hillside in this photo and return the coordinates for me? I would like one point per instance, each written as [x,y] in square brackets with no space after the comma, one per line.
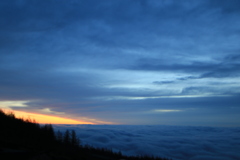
[26,139]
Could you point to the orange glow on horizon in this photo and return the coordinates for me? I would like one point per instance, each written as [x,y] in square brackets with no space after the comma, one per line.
[46,119]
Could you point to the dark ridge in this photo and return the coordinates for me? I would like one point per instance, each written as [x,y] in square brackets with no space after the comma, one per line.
[26,139]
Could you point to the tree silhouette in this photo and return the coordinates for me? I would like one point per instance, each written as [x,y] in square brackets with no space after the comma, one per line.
[32,139]
[59,136]
[75,142]
[66,138]
[48,132]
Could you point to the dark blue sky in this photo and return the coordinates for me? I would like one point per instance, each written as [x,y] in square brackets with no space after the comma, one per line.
[171,62]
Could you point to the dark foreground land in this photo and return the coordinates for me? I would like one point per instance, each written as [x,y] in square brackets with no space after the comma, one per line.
[26,139]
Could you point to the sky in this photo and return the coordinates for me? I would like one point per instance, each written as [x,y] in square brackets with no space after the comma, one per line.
[170,62]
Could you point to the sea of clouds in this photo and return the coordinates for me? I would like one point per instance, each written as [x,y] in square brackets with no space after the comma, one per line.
[175,142]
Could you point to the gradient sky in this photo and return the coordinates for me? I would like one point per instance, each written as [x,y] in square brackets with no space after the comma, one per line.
[171,62]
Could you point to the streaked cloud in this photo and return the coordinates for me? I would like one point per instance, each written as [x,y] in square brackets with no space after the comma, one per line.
[49,111]
[9,104]
[166,110]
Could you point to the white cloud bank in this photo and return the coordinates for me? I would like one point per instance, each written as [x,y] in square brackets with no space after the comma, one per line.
[178,143]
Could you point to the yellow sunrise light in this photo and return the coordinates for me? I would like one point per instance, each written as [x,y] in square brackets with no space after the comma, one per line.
[47,119]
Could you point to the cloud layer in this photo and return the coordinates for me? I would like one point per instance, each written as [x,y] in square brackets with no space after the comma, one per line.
[178,143]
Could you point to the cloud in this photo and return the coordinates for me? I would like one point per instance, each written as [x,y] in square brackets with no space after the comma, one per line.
[163,82]
[226,7]
[176,142]
[226,71]
[166,110]
[221,69]
[10,104]
[116,60]
[49,111]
